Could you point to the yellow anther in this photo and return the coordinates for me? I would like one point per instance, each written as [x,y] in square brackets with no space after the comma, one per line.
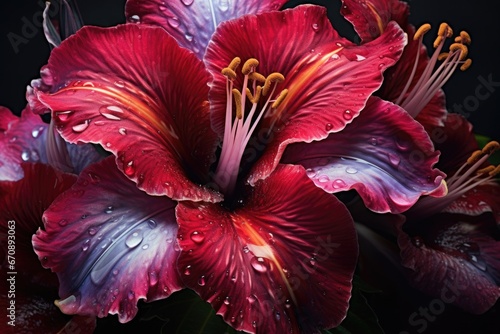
[443,56]
[249,66]
[474,157]
[254,99]
[491,147]
[237,100]
[235,63]
[486,170]
[445,30]
[228,73]
[280,98]
[466,64]
[437,41]
[495,171]
[257,77]
[465,37]
[424,28]
[463,50]
[273,77]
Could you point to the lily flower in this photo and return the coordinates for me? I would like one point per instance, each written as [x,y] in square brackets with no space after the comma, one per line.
[415,82]
[452,243]
[28,290]
[28,139]
[182,205]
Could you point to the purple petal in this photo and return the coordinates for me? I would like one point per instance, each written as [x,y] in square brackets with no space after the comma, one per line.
[110,244]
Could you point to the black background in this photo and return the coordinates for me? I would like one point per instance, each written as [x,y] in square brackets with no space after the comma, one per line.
[17,69]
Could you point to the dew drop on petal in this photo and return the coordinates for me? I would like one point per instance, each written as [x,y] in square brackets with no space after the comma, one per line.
[197,237]
[227,300]
[129,168]
[152,224]
[338,183]
[146,246]
[81,127]
[187,270]
[36,132]
[119,83]
[122,131]
[394,159]
[134,19]
[315,27]
[86,245]
[187,2]
[153,278]
[259,264]
[133,240]
[347,115]
[351,170]
[92,231]
[174,22]
[109,209]
[323,179]
[63,115]
[223,5]
[373,141]
[328,126]
[25,155]
[188,37]
[63,222]
[202,281]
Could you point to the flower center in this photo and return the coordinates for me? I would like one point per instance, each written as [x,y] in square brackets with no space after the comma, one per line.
[467,177]
[255,100]
[415,99]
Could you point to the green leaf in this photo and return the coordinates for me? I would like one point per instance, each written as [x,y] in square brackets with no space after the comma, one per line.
[360,318]
[184,312]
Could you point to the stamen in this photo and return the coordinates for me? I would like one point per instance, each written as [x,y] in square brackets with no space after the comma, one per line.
[424,28]
[228,73]
[470,175]
[432,79]
[466,64]
[273,77]
[234,63]
[249,66]
[240,123]
[237,100]
[280,98]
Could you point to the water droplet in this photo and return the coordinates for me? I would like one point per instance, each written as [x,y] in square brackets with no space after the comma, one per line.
[187,2]
[254,324]
[246,250]
[323,179]
[338,183]
[63,115]
[311,172]
[351,170]
[119,84]
[131,295]
[25,155]
[188,37]
[197,237]
[115,272]
[277,315]
[129,168]
[347,115]
[417,241]
[93,231]
[146,246]
[152,224]
[36,132]
[63,222]
[315,27]
[122,131]
[81,127]
[360,58]
[328,126]
[34,155]
[86,245]
[202,281]
[173,22]
[133,240]
[259,264]
[288,303]
[227,300]
[109,209]
[335,56]
[153,278]
[394,159]
[381,65]
[373,141]
[134,19]
[187,270]
[224,5]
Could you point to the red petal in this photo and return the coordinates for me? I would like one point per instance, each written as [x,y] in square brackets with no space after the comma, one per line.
[328,78]
[190,22]
[280,263]
[454,258]
[110,244]
[384,154]
[371,17]
[22,204]
[6,117]
[135,92]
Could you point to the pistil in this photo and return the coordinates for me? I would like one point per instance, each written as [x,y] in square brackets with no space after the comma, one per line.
[257,93]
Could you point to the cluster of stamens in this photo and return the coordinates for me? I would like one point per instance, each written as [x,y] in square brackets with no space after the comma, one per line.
[467,177]
[432,80]
[259,92]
